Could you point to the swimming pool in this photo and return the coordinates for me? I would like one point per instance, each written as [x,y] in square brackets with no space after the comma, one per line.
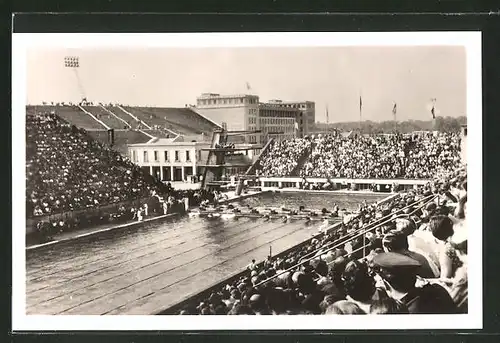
[139,269]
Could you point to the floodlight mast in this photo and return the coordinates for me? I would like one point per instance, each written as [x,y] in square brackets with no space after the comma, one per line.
[73,62]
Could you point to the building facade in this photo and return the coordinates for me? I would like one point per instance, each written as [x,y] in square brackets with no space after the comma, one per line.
[169,159]
[278,121]
[232,112]
[177,159]
[245,113]
[307,115]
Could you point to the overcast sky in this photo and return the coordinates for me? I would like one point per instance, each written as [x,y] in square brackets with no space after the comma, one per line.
[333,76]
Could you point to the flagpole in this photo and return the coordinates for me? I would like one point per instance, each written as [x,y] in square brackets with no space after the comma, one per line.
[360,110]
[394,111]
[327,120]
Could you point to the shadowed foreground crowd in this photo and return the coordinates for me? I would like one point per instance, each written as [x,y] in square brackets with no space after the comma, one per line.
[410,156]
[413,261]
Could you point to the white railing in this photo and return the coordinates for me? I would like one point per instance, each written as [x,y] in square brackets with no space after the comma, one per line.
[135,118]
[94,117]
[114,115]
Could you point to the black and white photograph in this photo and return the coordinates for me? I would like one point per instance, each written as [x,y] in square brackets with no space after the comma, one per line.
[309,175]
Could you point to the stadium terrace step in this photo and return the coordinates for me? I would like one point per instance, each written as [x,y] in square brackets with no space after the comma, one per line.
[122,138]
[106,117]
[71,114]
[94,117]
[300,162]
[122,115]
[140,123]
[159,133]
[179,120]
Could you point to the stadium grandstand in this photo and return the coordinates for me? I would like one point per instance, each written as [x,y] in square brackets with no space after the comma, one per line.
[397,156]
[130,125]
[407,255]
[71,170]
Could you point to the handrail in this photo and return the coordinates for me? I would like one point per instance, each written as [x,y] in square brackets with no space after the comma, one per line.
[350,253]
[346,239]
[135,118]
[93,117]
[373,223]
[114,115]
[345,255]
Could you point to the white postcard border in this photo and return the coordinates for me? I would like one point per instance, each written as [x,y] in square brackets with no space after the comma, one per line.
[470,40]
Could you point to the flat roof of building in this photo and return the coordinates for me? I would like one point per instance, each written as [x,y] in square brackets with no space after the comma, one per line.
[216,95]
[168,142]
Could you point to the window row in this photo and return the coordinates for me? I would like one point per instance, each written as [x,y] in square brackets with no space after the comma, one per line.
[278,129]
[166,156]
[229,101]
[279,114]
[277,121]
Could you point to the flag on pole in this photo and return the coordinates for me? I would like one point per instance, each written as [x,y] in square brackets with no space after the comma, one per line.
[394,110]
[360,110]
[327,121]
[433,112]
[248,86]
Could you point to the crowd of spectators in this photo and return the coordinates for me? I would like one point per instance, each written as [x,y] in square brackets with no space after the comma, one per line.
[68,171]
[411,156]
[282,157]
[407,255]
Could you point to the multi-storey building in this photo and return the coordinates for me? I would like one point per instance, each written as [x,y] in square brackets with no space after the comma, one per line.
[232,112]
[278,121]
[307,115]
[283,119]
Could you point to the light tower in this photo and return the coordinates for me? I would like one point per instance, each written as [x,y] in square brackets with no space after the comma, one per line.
[73,62]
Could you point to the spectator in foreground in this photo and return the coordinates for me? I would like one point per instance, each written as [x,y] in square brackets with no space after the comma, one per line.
[442,229]
[388,306]
[459,287]
[359,285]
[344,307]
[399,274]
[396,241]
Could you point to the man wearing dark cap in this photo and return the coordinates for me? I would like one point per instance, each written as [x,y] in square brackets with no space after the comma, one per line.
[396,241]
[399,273]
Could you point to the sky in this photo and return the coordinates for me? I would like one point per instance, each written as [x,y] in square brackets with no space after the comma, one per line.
[330,76]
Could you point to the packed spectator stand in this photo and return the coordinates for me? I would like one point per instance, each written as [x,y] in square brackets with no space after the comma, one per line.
[283,156]
[68,171]
[408,255]
[391,156]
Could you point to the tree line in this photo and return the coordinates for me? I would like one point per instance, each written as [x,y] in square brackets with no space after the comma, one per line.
[442,124]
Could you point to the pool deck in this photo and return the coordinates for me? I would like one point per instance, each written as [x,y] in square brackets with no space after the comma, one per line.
[67,236]
[321,191]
